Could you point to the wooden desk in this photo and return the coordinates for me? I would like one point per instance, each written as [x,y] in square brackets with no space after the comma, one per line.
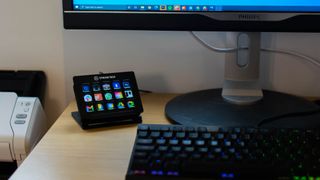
[68,152]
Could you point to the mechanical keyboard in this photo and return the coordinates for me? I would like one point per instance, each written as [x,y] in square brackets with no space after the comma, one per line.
[183,152]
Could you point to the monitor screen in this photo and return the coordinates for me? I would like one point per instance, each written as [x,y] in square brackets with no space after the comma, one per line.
[199,6]
[208,15]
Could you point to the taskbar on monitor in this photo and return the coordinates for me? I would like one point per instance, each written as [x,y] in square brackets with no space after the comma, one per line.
[194,8]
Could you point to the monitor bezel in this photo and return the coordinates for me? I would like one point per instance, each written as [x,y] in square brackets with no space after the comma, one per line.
[201,21]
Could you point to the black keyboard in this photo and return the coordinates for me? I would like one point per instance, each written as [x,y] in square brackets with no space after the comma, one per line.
[182,152]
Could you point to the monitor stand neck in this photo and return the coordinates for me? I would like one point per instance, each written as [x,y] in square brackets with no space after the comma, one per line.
[241,84]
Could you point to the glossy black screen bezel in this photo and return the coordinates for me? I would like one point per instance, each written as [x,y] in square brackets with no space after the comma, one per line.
[96,79]
[126,20]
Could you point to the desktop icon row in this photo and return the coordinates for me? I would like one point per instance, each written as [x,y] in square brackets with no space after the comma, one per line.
[173,7]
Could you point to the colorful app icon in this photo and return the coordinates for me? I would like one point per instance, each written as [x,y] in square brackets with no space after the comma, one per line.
[90,108]
[87,98]
[131,104]
[183,8]
[108,96]
[126,84]
[198,8]
[110,106]
[170,8]
[106,86]
[100,107]
[177,8]
[142,8]
[85,88]
[116,85]
[118,95]
[120,105]
[128,94]
[205,8]
[156,8]
[98,97]
[96,87]
[163,7]
[190,8]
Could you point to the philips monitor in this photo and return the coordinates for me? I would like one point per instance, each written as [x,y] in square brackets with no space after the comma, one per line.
[241,100]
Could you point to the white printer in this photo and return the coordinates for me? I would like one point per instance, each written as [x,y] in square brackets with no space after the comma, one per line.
[22,125]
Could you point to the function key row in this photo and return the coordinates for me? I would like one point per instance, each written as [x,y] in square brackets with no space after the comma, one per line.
[238,130]
[175,128]
[189,135]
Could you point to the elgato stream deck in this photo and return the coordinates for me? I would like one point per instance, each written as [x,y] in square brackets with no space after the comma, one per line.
[107,99]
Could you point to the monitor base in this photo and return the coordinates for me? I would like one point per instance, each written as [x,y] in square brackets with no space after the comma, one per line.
[276,109]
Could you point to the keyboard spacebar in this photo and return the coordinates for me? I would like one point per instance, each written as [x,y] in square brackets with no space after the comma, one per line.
[217,169]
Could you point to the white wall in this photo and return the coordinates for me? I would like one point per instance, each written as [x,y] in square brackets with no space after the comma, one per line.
[32,37]
[176,62]
[162,61]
